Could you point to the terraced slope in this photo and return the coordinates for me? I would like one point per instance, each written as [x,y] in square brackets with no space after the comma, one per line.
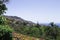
[17,36]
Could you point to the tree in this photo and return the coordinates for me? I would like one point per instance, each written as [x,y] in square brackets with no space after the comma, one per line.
[52,24]
[37,25]
[5,30]
[3,7]
[52,31]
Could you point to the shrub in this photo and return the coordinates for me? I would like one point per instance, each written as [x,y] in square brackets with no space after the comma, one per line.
[5,32]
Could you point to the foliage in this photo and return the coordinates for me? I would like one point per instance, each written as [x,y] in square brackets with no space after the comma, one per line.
[5,30]
[2,20]
[49,32]
[46,32]
[3,7]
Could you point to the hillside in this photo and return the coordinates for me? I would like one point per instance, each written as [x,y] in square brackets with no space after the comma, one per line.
[48,32]
[17,22]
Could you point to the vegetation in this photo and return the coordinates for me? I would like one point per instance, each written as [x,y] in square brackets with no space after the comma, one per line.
[50,32]
[47,32]
[3,7]
[5,30]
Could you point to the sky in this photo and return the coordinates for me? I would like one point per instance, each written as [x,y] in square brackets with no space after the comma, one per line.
[42,11]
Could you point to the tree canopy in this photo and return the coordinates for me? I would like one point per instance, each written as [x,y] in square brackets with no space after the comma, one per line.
[3,7]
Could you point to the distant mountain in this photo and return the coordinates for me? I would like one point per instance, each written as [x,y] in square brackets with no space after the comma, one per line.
[58,24]
[19,20]
[46,24]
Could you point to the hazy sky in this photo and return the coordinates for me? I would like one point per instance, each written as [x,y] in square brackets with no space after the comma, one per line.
[42,11]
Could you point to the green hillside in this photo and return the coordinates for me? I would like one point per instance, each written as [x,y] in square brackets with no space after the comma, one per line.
[50,32]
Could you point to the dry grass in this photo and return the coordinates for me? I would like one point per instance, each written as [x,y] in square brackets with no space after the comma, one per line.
[18,36]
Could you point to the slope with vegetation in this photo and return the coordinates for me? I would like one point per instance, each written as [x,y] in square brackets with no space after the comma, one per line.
[49,32]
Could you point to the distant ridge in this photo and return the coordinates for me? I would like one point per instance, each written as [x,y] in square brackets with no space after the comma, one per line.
[21,20]
[18,19]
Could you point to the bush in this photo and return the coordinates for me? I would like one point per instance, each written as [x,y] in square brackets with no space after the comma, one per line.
[5,32]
